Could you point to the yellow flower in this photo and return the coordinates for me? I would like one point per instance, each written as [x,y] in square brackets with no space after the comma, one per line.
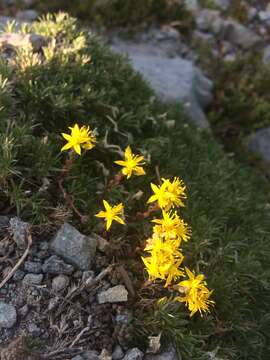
[163,261]
[111,214]
[196,293]
[177,191]
[79,137]
[132,163]
[172,227]
[169,194]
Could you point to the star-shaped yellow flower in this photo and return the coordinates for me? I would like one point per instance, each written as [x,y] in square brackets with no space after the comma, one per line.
[79,137]
[111,214]
[169,194]
[131,164]
[196,293]
[172,227]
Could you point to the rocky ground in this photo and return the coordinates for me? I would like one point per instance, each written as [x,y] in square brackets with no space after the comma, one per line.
[170,61]
[66,291]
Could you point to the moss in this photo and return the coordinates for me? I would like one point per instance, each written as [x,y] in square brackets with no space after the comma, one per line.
[241,103]
[227,203]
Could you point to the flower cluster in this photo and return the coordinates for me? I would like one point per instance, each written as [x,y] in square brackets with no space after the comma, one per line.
[196,293]
[169,194]
[164,256]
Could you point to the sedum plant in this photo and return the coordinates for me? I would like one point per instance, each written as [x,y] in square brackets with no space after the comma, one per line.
[227,205]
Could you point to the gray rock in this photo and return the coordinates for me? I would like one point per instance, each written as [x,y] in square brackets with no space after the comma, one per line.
[222,4]
[23,311]
[102,244]
[18,275]
[266,55]
[60,283]
[241,36]
[33,267]
[74,247]
[27,15]
[55,265]
[53,303]
[204,36]
[113,295]
[252,13]
[173,79]
[78,357]
[44,246]
[170,354]
[162,41]
[192,5]
[118,353]
[90,355]
[264,16]
[18,229]
[33,329]
[8,315]
[133,354]
[210,20]
[259,143]
[19,40]
[33,279]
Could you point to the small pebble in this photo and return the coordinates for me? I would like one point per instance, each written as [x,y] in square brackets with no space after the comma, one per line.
[18,275]
[60,283]
[23,311]
[33,267]
[33,279]
[8,315]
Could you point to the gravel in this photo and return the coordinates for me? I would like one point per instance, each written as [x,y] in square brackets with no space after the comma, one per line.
[8,315]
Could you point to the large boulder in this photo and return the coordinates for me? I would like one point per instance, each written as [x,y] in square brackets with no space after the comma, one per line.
[74,247]
[173,79]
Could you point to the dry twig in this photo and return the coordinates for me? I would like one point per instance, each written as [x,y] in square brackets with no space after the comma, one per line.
[77,338]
